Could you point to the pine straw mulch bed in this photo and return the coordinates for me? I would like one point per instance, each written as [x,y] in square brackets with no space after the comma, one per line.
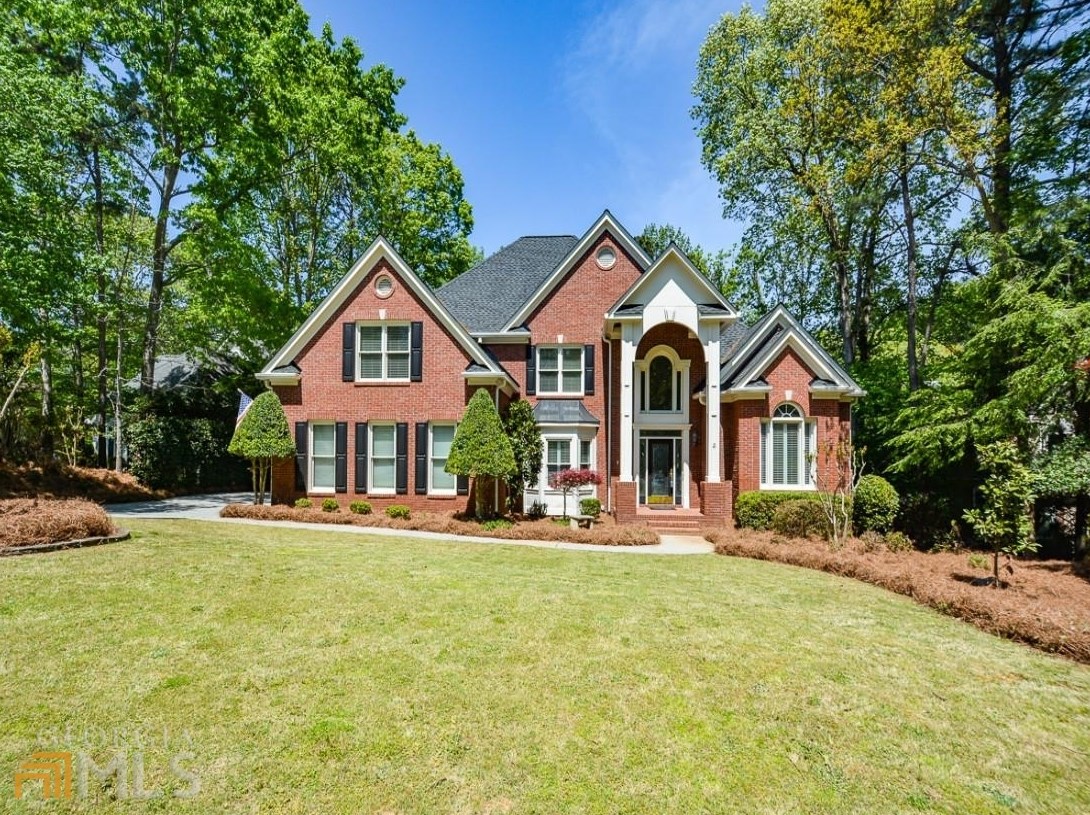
[62,481]
[1044,603]
[605,532]
[34,521]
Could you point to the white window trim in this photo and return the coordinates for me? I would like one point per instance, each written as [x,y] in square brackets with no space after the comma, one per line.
[573,439]
[643,384]
[371,488]
[330,490]
[384,325]
[766,448]
[432,490]
[560,347]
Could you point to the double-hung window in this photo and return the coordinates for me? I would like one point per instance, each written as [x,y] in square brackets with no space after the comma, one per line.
[788,444]
[585,460]
[322,457]
[383,459]
[560,369]
[440,481]
[383,352]
[557,457]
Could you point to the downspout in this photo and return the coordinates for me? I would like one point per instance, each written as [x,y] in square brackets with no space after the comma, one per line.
[609,425]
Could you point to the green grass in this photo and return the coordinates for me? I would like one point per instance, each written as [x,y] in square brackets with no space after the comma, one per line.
[330,672]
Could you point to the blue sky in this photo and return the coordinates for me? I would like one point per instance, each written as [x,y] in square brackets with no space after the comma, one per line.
[553,110]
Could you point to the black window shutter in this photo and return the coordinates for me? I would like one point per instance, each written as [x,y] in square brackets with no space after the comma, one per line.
[348,352]
[361,456]
[421,458]
[531,370]
[416,352]
[301,455]
[340,463]
[463,485]
[402,458]
[588,370]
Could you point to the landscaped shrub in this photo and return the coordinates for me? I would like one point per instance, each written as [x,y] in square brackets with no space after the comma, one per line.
[899,542]
[330,505]
[538,509]
[591,507]
[496,523]
[800,518]
[31,521]
[303,503]
[181,453]
[873,541]
[398,511]
[874,504]
[754,510]
[360,507]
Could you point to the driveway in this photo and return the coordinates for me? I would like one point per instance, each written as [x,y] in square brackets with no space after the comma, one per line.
[207,508]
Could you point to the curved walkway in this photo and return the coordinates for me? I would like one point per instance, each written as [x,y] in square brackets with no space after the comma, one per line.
[207,508]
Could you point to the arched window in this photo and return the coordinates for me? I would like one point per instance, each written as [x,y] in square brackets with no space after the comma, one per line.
[660,385]
[788,444]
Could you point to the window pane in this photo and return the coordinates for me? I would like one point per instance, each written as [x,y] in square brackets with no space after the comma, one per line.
[397,338]
[808,453]
[548,382]
[323,473]
[370,366]
[584,455]
[382,441]
[558,452]
[573,359]
[441,438]
[382,474]
[792,463]
[661,386]
[440,478]
[371,338]
[764,452]
[573,382]
[779,432]
[323,439]
[546,359]
[397,366]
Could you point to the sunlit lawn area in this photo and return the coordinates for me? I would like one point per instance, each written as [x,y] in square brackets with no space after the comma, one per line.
[328,672]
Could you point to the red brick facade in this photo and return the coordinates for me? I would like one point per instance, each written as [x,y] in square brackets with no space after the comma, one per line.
[571,314]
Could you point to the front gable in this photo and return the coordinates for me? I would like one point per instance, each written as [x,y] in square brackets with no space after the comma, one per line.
[359,297]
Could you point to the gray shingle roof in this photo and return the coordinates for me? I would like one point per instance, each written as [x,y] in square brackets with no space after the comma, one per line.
[731,339]
[488,295]
[563,411]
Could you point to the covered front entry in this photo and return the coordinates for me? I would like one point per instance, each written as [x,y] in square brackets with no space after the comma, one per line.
[662,467]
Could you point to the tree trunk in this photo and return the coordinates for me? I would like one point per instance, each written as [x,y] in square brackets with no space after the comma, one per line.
[102,373]
[480,489]
[160,251]
[47,438]
[912,271]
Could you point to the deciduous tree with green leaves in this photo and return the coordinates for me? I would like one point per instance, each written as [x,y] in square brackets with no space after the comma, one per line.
[1004,519]
[481,449]
[263,436]
[527,447]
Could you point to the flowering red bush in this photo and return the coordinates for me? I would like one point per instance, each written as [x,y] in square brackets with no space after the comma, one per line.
[568,480]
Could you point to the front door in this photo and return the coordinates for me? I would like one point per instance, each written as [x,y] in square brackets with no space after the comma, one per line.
[660,471]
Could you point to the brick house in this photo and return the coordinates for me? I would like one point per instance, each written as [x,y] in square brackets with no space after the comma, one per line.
[636,367]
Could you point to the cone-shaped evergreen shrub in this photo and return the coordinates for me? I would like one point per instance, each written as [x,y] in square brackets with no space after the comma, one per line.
[262,436]
[481,449]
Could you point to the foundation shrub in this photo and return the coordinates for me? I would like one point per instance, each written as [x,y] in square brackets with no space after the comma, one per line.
[800,518]
[754,510]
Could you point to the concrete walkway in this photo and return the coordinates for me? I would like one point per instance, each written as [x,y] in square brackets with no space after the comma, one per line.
[207,508]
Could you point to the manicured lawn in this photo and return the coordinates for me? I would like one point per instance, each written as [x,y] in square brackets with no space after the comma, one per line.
[325,672]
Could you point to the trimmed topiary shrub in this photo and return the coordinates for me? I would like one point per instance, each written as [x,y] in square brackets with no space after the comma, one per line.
[481,449]
[591,507]
[874,504]
[800,518]
[360,507]
[330,505]
[398,511]
[262,437]
[303,503]
[754,510]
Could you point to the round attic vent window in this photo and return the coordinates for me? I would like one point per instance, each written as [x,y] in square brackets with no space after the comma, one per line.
[606,257]
[384,286]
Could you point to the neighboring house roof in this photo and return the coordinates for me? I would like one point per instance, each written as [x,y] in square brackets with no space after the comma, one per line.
[179,371]
[563,411]
[487,296]
[277,368]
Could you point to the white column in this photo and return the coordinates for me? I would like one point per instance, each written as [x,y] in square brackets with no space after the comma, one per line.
[710,338]
[628,364]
